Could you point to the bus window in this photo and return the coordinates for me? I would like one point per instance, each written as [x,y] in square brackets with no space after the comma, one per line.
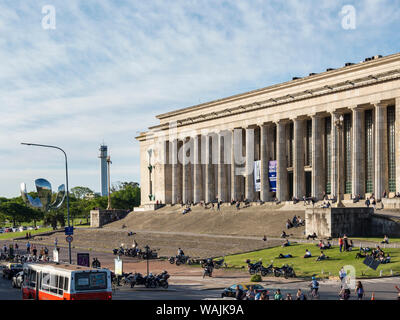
[31,281]
[90,281]
[60,285]
[45,282]
[53,283]
[66,281]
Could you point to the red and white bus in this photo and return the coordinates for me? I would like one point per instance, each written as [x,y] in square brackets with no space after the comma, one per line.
[55,281]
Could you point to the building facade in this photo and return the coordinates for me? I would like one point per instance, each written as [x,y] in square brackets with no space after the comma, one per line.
[336,128]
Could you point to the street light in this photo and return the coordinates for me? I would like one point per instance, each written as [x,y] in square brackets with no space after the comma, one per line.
[147,248]
[66,178]
[339,125]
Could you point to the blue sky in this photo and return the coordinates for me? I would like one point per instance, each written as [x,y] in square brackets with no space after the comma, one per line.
[110,66]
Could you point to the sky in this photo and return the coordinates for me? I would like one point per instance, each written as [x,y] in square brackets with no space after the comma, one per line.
[86,72]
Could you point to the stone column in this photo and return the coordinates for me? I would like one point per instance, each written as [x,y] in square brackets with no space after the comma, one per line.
[334,156]
[282,191]
[299,188]
[265,152]
[235,148]
[197,172]
[358,156]
[397,142]
[380,149]
[221,169]
[249,173]
[176,197]
[317,175]
[209,172]
[185,172]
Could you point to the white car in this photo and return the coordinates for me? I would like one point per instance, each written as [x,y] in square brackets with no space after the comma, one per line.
[30,228]
[20,229]
[14,229]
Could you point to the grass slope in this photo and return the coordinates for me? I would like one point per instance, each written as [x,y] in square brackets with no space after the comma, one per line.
[12,235]
[309,267]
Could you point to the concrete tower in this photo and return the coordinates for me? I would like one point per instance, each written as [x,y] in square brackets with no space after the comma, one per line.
[103,164]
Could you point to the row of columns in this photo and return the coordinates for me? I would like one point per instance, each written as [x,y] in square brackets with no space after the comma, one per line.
[196,182]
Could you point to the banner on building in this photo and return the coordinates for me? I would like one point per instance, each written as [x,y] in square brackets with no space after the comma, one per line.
[272,175]
[257,175]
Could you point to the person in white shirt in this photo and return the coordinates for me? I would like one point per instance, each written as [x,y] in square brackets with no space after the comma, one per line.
[308,254]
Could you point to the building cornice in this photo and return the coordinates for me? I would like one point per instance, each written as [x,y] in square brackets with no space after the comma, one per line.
[286,85]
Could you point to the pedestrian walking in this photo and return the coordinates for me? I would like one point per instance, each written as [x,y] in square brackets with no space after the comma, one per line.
[359,290]
[28,247]
[340,244]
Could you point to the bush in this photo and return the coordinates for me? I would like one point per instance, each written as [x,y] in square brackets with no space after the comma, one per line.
[255,278]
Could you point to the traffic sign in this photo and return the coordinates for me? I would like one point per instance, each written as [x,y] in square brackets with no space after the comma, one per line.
[69,239]
[69,231]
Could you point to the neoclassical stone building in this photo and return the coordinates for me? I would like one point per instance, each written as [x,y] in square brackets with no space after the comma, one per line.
[237,147]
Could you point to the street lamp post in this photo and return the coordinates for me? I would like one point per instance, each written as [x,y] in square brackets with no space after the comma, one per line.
[147,248]
[339,125]
[66,178]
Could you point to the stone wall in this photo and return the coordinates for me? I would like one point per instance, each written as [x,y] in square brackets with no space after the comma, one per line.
[361,222]
[100,217]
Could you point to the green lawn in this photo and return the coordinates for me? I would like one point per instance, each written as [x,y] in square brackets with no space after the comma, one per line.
[309,267]
[377,240]
[74,222]
[11,235]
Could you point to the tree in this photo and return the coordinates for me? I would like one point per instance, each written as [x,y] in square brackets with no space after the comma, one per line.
[81,192]
[17,212]
[126,196]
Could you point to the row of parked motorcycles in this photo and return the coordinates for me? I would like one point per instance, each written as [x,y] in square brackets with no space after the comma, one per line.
[151,281]
[182,259]
[136,252]
[257,267]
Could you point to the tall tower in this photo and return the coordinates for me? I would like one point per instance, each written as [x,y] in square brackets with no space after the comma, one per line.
[103,164]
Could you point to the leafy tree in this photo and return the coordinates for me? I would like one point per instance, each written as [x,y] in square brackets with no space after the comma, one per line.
[126,196]
[16,212]
[81,192]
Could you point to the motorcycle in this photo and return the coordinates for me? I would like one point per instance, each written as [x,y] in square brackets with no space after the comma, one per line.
[219,264]
[162,279]
[253,267]
[138,279]
[119,251]
[126,279]
[178,260]
[208,270]
[285,271]
[265,271]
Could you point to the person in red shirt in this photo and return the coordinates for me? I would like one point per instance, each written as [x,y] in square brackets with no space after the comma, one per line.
[340,244]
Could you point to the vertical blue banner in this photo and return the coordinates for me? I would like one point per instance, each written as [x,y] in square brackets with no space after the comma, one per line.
[272,175]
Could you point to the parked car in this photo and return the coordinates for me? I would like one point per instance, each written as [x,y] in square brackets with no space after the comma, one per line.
[231,291]
[30,228]
[1,230]
[11,269]
[20,229]
[8,230]
[14,229]
[18,279]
